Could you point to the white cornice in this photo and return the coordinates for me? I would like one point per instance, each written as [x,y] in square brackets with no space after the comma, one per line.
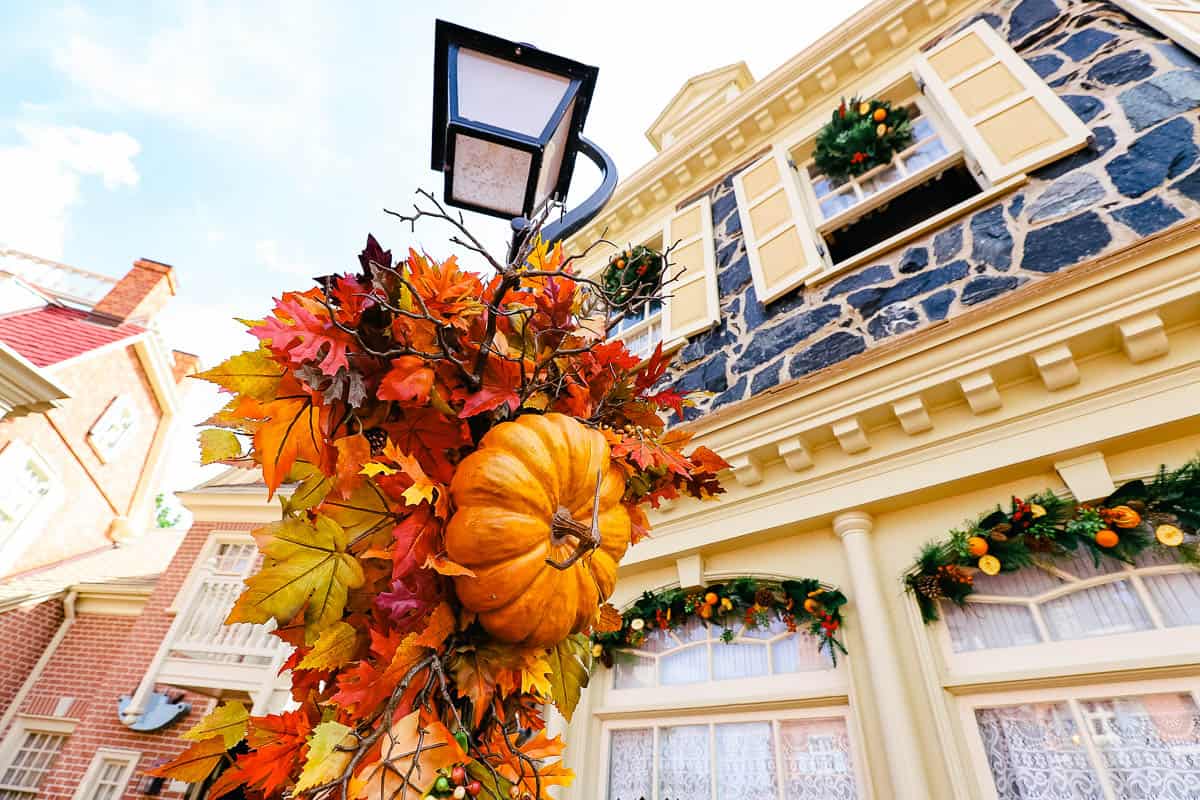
[24,388]
[116,599]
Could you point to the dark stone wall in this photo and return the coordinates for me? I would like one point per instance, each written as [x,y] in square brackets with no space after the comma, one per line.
[1137,92]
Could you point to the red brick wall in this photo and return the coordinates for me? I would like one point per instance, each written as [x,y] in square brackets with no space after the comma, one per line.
[25,633]
[81,523]
[104,657]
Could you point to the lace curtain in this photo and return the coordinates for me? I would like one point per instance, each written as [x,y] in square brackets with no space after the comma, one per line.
[1148,748]
[734,761]
[1104,610]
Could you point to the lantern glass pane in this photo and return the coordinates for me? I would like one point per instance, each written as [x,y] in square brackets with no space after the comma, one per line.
[506,95]
[552,161]
[490,175]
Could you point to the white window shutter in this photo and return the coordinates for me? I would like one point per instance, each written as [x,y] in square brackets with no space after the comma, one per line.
[781,248]
[1178,20]
[1010,121]
[691,303]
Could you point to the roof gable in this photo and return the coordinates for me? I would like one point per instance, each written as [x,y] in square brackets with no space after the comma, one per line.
[53,334]
[699,96]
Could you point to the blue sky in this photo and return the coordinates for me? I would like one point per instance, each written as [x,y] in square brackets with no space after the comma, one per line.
[253,144]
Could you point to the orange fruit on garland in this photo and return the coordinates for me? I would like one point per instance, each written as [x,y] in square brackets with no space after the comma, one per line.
[812,606]
[977,546]
[1107,538]
[710,599]
[880,114]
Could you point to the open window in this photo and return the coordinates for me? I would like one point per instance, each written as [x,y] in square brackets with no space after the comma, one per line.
[926,178]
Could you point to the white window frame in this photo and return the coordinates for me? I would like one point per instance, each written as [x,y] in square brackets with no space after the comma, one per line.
[1072,655]
[653,324]
[649,233]
[23,725]
[207,554]
[13,542]
[110,434]
[658,720]
[1151,13]
[953,156]
[980,768]
[91,779]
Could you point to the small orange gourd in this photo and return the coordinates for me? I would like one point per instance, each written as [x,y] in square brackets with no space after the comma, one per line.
[523,499]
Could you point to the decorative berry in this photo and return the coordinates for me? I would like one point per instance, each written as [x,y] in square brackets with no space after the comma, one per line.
[464,740]
[458,774]
[377,438]
[442,785]
[459,792]
[474,788]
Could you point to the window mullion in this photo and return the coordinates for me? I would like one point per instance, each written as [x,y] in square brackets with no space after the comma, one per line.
[654,767]
[1042,628]
[712,760]
[1144,595]
[777,741]
[1085,733]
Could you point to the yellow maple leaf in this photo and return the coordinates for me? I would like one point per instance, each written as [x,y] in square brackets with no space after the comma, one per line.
[254,373]
[336,646]
[217,444]
[325,762]
[306,569]
[227,720]
[365,513]
[373,468]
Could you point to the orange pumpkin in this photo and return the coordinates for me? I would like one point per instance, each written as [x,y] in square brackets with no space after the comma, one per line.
[524,498]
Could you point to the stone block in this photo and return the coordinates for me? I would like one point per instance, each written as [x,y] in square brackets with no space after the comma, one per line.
[947,244]
[1061,244]
[938,304]
[1028,16]
[914,259]
[1016,206]
[766,377]
[1122,68]
[867,277]
[869,301]
[1085,106]
[730,395]
[1165,152]
[1045,65]
[1103,139]
[1148,216]
[832,349]
[1081,45]
[1068,194]
[991,241]
[734,276]
[1161,97]
[894,319]
[985,287]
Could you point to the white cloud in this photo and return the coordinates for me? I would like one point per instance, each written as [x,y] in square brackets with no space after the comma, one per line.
[43,175]
[270,255]
[248,71]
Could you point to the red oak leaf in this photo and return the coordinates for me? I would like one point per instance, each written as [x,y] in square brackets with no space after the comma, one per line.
[501,382]
[410,380]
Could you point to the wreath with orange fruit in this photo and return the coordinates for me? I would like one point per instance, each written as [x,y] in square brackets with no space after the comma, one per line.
[861,135]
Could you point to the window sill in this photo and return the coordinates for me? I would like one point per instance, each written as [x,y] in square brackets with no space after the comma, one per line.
[886,195]
[917,231]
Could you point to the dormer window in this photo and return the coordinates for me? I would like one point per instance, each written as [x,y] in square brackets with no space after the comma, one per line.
[113,429]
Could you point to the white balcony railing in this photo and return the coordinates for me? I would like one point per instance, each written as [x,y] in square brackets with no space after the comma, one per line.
[201,632]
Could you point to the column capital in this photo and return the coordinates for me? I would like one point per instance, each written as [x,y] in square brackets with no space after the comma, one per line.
[849,522]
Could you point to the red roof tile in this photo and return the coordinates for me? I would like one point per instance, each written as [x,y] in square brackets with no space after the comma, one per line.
[52,334]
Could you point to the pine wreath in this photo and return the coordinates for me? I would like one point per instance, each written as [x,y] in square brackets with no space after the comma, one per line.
[861,135]
[634,272]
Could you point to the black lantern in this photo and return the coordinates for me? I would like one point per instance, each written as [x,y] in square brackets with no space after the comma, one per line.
[506,121]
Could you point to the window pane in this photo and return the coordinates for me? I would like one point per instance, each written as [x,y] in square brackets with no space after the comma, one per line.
[800,652]
[1150,746]
[739,660]
[1177,597]
[745,761]
[880,180]
[1100,611]
[689,665]
[922,128]
[837,203]
[981,626]
[924,155]
[684,766]
[816,760]
[632,671]
[631,764]
[1036,753]
[1028,582]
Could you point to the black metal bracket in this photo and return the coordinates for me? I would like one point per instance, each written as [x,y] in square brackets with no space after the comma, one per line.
[581,215]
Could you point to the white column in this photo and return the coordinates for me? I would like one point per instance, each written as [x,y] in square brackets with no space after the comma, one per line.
[905,765]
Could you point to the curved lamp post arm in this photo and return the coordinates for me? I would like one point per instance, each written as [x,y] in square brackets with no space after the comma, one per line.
[581,215]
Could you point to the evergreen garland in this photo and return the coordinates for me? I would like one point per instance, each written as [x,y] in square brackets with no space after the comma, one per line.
[806,603]
[861,135]
[1163,514]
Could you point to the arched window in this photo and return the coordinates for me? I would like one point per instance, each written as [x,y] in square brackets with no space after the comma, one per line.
[696,653]
[1061,600]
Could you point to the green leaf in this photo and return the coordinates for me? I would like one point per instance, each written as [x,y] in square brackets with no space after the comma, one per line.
[569,666]
[218,445]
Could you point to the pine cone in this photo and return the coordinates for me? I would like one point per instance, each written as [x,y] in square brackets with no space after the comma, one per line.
[929,586]
[764,598]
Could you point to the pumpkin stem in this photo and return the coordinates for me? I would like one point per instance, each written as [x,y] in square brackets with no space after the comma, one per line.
[587,538]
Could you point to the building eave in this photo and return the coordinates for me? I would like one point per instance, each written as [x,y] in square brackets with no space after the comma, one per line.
[25,388]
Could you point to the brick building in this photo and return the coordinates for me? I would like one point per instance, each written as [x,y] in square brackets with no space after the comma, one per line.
[89,394]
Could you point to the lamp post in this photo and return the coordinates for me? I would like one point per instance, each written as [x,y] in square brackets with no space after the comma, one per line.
[507,122]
